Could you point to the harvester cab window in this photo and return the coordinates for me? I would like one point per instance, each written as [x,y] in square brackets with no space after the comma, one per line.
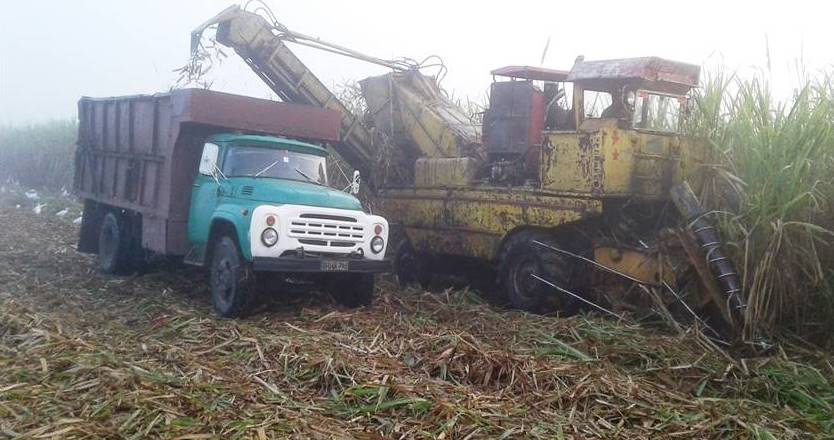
[657,112]
[600,105]
[558,112]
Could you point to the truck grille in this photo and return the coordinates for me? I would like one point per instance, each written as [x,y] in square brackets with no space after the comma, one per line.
[326,230]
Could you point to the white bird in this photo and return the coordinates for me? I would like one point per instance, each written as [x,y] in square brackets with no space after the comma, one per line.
[38,208]
[32,195]
[78,220]
[17,206]
[64,191]
[62,212]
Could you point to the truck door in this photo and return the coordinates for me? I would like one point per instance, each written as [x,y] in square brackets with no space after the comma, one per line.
[204,194]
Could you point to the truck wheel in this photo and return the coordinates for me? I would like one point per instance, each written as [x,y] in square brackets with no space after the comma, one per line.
[114,245]
[520,259]
[409,266]
[230,278]
[357,290]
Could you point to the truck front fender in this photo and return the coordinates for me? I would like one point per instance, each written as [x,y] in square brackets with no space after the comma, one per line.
[234,216]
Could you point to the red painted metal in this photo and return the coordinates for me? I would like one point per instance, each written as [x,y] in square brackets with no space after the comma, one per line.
[256,115]
[532,73]
[536,123]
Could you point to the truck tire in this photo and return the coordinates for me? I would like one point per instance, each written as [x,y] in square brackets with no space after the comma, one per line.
[114,245]
[355,290]
[230,279]
[520,259]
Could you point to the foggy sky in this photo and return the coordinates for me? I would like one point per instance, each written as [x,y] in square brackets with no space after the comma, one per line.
[53,52]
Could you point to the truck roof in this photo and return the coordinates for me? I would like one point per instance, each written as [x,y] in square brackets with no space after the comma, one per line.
[270,142]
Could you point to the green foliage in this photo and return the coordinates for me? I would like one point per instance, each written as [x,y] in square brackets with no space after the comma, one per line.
[39,155]
[771,193]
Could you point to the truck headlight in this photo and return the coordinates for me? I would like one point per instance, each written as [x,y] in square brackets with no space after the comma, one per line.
[269,237]
[377,244]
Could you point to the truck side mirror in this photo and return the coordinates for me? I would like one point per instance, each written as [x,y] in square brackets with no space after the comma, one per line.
[357,179]
[208,161]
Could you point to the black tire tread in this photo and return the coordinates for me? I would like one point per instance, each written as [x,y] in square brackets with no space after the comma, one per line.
[559,269]
[245,288]
[122,262]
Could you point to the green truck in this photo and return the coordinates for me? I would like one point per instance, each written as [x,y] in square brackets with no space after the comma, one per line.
[231,183]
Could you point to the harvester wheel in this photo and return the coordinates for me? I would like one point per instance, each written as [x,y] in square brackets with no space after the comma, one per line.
[231,279]
[114,245]
[521,259]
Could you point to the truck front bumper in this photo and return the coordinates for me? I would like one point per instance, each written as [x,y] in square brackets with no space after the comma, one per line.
[295,264]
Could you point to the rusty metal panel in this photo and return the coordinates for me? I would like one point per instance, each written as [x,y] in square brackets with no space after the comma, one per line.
[256,115]
[603,160]
[142,152]
[444,172]
[472,222]
[663,75]
[414,110]
[515,117]
[573,163]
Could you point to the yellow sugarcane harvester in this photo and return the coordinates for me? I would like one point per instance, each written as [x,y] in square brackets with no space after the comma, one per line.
[571,180]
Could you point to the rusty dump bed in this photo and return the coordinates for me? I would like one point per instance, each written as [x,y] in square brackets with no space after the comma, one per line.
[142,152]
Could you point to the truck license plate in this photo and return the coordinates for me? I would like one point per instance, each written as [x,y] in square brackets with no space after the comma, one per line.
[334,266]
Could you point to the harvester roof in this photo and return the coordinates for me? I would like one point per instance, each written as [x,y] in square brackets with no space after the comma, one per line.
[651,73]
[648,72]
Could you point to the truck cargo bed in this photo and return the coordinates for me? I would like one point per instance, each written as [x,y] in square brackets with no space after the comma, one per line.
[141,152]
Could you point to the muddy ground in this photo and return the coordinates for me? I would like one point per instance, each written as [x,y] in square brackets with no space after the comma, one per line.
[88,356]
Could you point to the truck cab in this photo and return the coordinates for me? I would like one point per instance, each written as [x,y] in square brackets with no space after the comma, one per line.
[270,196]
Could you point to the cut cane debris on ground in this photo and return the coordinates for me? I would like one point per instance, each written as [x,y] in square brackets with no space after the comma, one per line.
[87,356]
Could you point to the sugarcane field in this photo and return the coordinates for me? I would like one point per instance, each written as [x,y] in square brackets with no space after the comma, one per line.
[430,220]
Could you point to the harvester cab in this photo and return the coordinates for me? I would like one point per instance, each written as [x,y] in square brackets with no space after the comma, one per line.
[527,104]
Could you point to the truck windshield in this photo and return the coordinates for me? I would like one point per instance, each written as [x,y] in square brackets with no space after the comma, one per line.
[657,112]
[243,161]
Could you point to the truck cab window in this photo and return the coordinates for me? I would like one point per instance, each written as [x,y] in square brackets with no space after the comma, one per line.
[209,159]
[247,161]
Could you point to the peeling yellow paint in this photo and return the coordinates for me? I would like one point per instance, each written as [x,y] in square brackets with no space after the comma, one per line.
[578,169]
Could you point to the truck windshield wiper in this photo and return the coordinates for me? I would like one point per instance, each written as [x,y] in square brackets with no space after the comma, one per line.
[306,176]
[269,167]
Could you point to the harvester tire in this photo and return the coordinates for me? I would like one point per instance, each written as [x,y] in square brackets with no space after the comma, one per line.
[520,259]
[231,279]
